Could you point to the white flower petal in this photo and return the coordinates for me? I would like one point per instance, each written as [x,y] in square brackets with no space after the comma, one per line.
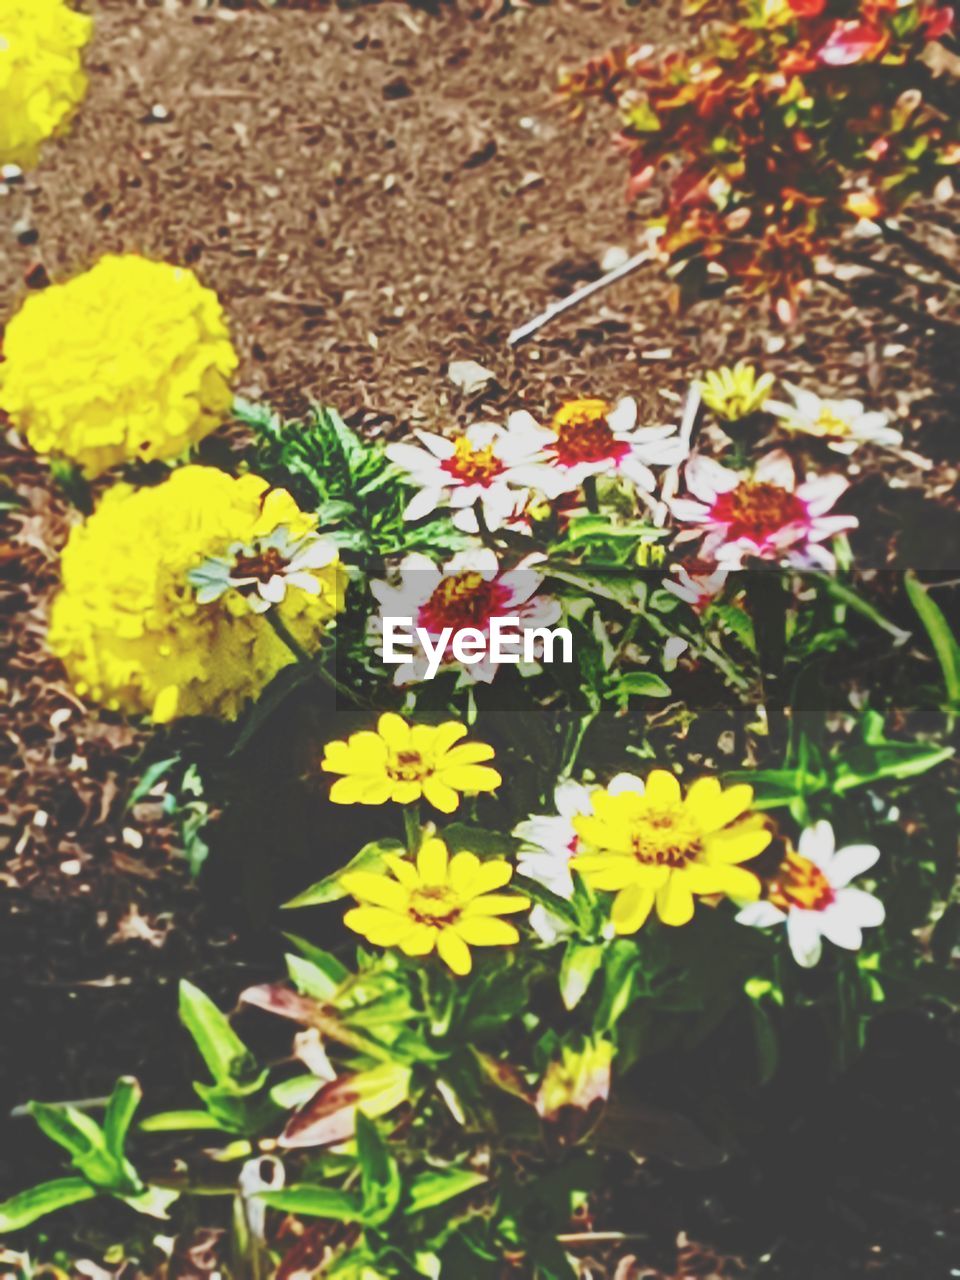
[803,934]
[851,861]
[817,843]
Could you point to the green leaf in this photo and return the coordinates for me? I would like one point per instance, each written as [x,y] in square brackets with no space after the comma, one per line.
[315,1202]
[427,1190]
[380,1181]
[153,1201]
[123,1103]
[79,1134]
[181,1122]
[580,964]
[941,636]
[847,596]
[26,1207]
[149,779]
[313,979]
[329,889]
[228,1059]
[639,684]
[880,757]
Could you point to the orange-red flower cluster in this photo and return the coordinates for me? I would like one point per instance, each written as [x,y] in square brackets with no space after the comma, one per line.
[791,120]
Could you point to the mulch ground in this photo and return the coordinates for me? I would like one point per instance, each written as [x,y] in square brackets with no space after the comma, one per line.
[376,192]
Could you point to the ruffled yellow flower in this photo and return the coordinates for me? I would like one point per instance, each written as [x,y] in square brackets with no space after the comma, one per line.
[648,843]
[402,762]
[41,74]
[735,392]
[130,360]
[127,623]
[437,903]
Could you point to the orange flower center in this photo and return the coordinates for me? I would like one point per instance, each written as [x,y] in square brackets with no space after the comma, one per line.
[473,466]
[800,883]
[406,766]
[262,566]
[584,434]
[435,905]
[463,600]
[666,838]
[755,509]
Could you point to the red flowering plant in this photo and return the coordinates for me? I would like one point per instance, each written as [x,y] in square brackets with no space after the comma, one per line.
[788,123]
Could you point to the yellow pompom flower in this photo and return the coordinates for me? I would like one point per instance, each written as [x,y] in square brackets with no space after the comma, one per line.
[735,392]
[128,624]
[41,74]
[436,903]
[649,843]
[130,360]
[402,762]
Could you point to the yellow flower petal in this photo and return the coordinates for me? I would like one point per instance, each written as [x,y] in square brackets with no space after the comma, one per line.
[662,790]
[730,805]
[675,901]
[432,861]
[393,730]
[471,777]
[631,907]
[454,952]
[380,891]
[403,869]
[486,931]
[735,845]
[420,941]
[381,927]
[496,904]
[440,795]
[463,869]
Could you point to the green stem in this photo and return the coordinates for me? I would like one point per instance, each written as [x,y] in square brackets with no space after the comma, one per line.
[284,633]
[590,494]
[412,828]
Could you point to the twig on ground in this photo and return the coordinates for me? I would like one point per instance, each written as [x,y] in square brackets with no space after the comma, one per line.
[578,295]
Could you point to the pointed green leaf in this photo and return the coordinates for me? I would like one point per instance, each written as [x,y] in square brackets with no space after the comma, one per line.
[26,1207]
[427,1190]
[123,1103]
[330,889]
[228,1059]
[315,1202]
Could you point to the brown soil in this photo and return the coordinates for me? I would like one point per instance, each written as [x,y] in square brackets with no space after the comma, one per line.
[373,193]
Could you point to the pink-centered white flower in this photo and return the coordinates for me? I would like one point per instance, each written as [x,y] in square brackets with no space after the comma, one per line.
[470,590]
[812,894]
[591,437]
[763,514]
[477,466]
[843,424]
[550,840]
[697,584]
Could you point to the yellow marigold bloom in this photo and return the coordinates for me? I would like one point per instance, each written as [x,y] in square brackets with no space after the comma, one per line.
[130,360]
[402,762]
[436,903]
[648,843]
[734,393]
[127,623]
[41,74]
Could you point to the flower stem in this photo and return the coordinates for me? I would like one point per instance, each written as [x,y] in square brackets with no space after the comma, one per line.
[412,828]
[284,633]
[590,494]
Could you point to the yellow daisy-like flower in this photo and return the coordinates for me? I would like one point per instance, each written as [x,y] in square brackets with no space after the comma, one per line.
[649,844]
[735,392]
[436,903]
[41,74]
[130,360]
[127,623]
[402,762]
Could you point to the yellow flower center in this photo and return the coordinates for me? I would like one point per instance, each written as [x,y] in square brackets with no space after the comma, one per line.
[407,766]
[262,566]
[829,424]
[755,508]
[435,905]
[474,466]
[799,883]
[583,433]
[666,838]
[463,600]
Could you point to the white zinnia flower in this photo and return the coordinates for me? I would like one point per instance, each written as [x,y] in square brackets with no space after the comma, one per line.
[478,465]
[844,424]
[264,570]
[812,893]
